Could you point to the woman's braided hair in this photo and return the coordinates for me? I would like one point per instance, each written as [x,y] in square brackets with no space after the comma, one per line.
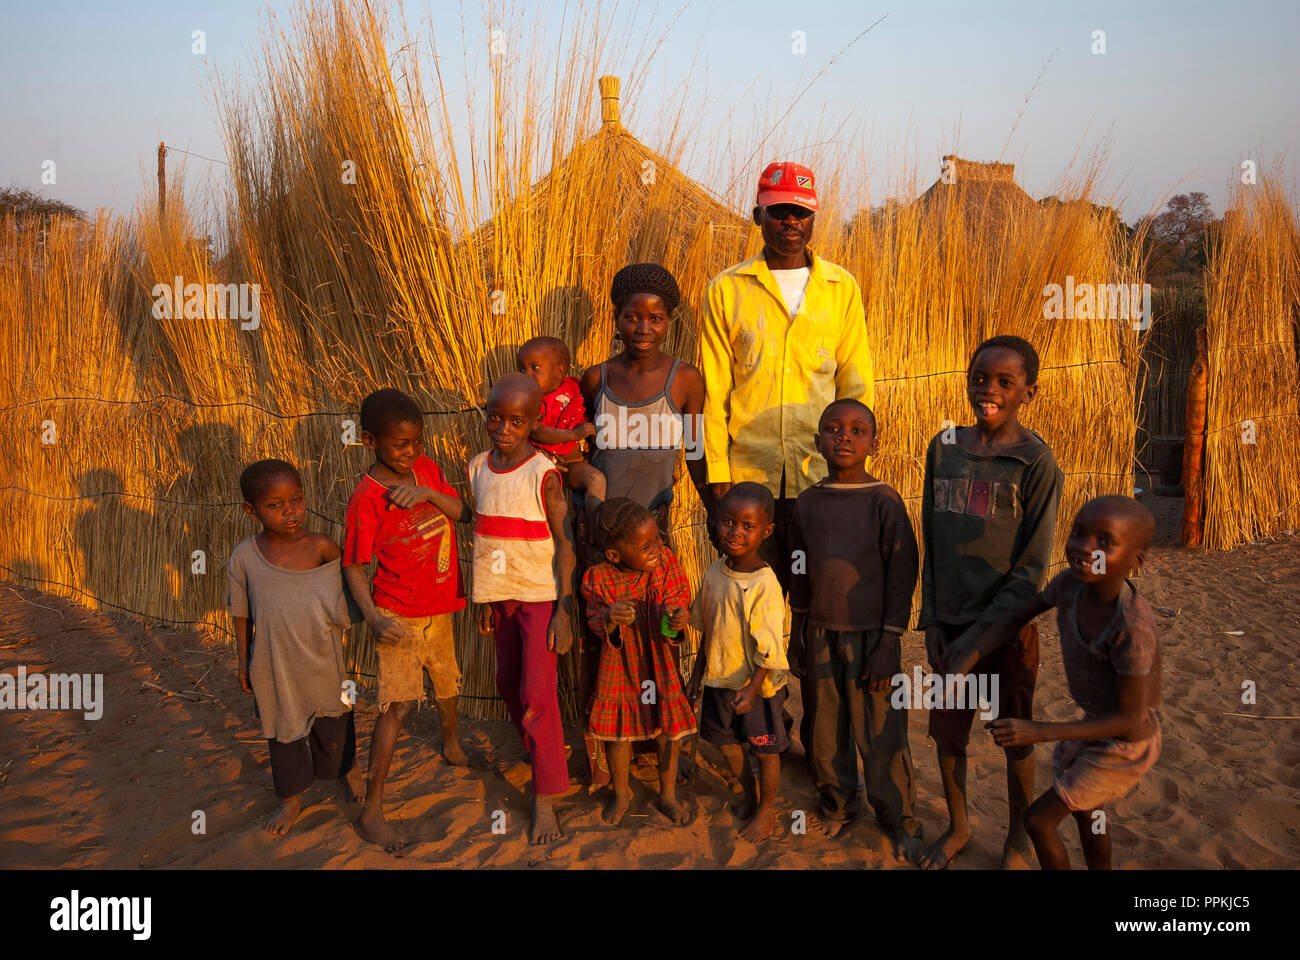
[644,278]
[616,519]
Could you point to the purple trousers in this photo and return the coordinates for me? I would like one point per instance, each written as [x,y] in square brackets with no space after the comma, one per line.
[526,680]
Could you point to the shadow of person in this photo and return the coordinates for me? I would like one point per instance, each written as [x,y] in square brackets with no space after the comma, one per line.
[25,572]
[494,364]
[107,530]
[569,313]
[202,515]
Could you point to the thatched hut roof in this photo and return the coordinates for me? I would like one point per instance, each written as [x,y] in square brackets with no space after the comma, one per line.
[611,201]
[614,166]
[984,190]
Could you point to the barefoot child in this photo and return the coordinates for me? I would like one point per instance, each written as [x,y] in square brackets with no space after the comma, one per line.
[290,611]
[850,598]
[401,515]
[630,598]
[523,577]
[646,406]
[988,512]
[564,422]
[1112,665]
[741,662]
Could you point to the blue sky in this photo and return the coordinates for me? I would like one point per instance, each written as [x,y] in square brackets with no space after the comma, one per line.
[1184,90]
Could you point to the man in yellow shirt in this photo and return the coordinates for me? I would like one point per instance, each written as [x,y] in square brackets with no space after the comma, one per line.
[784,334]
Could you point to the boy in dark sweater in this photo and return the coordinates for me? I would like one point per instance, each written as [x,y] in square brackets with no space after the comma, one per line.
[988,512]
[853,572]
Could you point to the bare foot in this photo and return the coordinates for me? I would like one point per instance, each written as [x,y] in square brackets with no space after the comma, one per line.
[545,827]
[373,827]
[905,849]
[278,824]
[673,810]
[938,856]
[454,754]
[761,827]
[616,809]
[1016,857]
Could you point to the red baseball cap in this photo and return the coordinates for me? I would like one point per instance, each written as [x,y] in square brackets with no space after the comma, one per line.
[787,183]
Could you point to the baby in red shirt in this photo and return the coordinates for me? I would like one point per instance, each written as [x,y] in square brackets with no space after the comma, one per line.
[564,424]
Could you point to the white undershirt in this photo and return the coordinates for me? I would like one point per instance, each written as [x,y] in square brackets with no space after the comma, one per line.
[792,284]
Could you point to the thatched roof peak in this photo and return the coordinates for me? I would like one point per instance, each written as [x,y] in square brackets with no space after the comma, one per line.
[959,170]
[609,101]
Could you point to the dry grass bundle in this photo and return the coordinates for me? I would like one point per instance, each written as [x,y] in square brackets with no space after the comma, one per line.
[1252,292]
[121,488]
[940,275]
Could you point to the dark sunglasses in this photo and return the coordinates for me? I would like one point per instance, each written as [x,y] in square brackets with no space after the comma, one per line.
[780,211]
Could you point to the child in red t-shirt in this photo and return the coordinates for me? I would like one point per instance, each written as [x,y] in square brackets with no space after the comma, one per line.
[401,515]
[564,424]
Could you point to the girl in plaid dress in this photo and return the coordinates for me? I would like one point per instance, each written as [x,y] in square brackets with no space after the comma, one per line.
[639,693]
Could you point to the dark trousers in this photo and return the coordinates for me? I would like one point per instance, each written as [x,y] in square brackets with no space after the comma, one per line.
[326,753]
[849,721]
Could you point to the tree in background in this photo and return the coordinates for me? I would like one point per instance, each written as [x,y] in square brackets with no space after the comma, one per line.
[25,204]
[1176,239]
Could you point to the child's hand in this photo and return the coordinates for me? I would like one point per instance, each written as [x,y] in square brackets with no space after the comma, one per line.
[245,684]
[745,697]
[960,660]
[1011,732]
[559,635]
[585,429]
[878,669]
[695,687]
[678,617]
[486,619]
[621,613]
[385,629]
[407,497]
[934,647]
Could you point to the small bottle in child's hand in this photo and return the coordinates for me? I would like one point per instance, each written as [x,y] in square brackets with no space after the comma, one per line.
[674,618]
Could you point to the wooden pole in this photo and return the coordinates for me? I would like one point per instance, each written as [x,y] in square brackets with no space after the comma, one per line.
[162,180]
[1194,445]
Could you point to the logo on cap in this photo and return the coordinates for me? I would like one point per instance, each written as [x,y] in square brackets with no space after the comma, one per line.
[787,183]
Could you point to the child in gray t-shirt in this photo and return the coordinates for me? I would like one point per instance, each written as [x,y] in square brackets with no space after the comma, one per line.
[290,612]
[1112,665]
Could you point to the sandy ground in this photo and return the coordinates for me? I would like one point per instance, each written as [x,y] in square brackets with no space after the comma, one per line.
[122,791]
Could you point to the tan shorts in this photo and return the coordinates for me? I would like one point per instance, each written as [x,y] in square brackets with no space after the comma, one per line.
[427,644]
[1088,774]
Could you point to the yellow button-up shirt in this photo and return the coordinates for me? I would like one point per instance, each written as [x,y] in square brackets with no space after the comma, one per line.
[769,377]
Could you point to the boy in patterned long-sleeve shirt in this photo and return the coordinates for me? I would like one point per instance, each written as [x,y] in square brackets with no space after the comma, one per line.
[988,513]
